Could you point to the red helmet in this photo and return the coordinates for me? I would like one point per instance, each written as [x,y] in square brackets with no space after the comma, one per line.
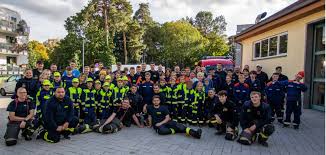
[301,74]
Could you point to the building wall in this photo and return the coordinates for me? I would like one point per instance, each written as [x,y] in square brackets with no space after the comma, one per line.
[294,61]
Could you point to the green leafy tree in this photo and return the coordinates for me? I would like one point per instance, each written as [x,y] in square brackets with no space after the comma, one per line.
[36,51]
[206,24]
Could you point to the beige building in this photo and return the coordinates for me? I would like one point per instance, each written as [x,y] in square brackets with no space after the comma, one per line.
[293,38]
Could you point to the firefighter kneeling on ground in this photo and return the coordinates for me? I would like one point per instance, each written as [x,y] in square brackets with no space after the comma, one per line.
[225,116]
[255,118]
[121,116]
[21,113]
[159,116]
[58,118]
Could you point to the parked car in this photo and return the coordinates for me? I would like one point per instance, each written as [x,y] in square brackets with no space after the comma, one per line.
[8,86]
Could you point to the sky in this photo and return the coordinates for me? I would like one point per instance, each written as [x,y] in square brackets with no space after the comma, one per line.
[46,17]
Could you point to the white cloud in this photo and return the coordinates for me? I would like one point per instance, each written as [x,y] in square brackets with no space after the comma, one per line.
[46,18]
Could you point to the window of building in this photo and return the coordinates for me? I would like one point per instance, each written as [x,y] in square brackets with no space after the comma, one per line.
[271,46]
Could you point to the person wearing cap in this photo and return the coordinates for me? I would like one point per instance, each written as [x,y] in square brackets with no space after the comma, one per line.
[41,98]
[108,79]
[126,83]
[67,79]
[293,99]
[89,104]
[275,93]
[98,88]
[57,82]
[118,93]
[38,70]
[261,76]
[74,93]
[105,106]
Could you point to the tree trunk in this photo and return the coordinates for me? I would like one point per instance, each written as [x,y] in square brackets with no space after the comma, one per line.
[125,47]
[106,25]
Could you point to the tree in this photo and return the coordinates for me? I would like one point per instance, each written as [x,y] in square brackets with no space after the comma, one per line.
[120,15]
[37,51]
[217,45]
[205,23]
[143,16]
[180,43]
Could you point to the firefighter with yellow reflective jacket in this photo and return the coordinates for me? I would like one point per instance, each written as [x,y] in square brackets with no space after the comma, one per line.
[89,104]
[181,100]
[173,96]
[41,97]
[108,79]
[74,93]
[57,82]
[104,101]
[197,105]
[118,93]
[98,88]
[185,92]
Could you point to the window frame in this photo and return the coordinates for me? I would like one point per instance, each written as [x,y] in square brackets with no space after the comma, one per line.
[278,54]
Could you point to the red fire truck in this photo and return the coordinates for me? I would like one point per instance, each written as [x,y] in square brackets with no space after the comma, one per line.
[211,62]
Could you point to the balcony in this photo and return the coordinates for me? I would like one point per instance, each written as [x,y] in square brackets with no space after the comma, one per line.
[8,27]
[10,49]
[10,69]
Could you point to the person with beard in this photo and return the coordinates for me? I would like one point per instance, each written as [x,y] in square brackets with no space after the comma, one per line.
[58,117]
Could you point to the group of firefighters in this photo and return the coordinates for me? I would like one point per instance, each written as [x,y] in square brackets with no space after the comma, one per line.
[50,104]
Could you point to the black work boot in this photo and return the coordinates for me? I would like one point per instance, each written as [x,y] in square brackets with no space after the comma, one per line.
[196,134]
[296,127]
[264,143]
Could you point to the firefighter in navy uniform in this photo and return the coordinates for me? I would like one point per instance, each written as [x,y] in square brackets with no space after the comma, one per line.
[118,93]
[74,93]
[209,105]
[156,91]
[21,113]
[254,83]
[89,104]
[104,101]
[41,98]
[293,100]
[57,82]
[120,117]
[225,117]
[255,118]
[197,106]
[241,91]
[29,84]
[161,121]
[58,118]
[136,102]
[275,97]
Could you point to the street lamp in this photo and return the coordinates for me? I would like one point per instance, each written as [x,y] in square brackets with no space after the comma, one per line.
[80,33]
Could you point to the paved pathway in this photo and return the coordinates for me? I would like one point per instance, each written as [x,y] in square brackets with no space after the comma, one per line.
[310,139]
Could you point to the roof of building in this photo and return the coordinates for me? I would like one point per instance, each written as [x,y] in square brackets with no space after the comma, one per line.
[298,5]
